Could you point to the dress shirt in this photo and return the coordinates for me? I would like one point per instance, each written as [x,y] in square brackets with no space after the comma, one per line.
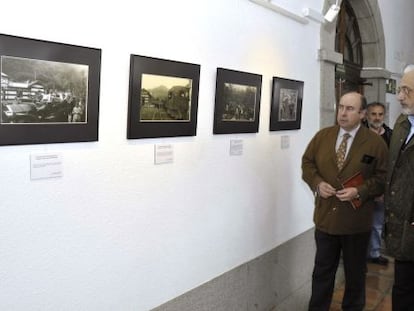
[411,119]
[350,139]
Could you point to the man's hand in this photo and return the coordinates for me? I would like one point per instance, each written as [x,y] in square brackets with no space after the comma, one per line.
[347,194]
[325,190]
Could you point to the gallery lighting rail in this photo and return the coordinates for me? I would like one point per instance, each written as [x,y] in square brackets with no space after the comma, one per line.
[308,13]
[278,9]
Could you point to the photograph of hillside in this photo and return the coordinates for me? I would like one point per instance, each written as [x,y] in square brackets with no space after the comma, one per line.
[165,98]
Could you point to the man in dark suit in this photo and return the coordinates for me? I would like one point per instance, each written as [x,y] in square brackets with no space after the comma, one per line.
[375,122]
[334,155]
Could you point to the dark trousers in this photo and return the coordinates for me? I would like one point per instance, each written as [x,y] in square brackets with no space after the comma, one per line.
[328,252]
[403,289]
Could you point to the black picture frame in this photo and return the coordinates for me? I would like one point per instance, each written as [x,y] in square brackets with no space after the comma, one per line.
[41,84]
[286,105]
[163,98]
[237,102]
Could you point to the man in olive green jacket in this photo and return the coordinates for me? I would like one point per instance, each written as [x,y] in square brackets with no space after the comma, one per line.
[399,199]
[340,226]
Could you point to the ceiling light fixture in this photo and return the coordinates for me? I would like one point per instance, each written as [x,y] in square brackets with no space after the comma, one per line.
[332,12]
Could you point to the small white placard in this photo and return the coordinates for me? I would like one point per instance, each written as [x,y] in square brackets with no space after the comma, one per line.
[284,142]
[46,165]
[163,154]
[236,147]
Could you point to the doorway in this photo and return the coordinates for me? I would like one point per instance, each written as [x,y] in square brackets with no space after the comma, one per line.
[352,55]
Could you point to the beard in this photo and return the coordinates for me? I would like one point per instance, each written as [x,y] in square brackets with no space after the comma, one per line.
[376,125]
[406,108]
[407,111]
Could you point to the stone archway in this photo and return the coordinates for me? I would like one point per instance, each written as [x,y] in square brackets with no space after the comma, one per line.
[373,48]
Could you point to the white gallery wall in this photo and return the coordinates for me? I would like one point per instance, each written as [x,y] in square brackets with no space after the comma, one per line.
[117,232]
[399,45]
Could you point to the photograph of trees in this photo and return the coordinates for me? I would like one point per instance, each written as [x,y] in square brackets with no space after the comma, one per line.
[239,102]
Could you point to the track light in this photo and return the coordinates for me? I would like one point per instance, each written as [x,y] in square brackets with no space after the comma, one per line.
[332,12]
[318,17]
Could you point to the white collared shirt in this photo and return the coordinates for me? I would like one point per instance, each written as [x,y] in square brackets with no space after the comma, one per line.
[411,119]
[350,139]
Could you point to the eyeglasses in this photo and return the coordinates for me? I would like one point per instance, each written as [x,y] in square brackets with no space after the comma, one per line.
[404,89]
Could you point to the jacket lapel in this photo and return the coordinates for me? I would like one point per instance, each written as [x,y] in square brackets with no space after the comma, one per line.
[404,130]
[359,139]
[333,137]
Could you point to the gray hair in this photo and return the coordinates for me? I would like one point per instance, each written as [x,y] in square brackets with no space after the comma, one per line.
[408,68]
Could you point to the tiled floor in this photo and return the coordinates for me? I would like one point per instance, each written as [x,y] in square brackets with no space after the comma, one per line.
[378,289]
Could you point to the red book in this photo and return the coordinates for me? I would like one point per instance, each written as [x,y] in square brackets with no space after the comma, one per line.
[354,181]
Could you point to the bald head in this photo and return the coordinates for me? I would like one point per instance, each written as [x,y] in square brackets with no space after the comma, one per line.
[408,68]
[408,78]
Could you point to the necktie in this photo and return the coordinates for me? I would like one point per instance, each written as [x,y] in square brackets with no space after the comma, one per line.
[340,153]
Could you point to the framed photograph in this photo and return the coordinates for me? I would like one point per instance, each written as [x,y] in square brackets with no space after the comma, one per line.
[163,98]
[49,91]
[237,103]
[286,106]
[391,86]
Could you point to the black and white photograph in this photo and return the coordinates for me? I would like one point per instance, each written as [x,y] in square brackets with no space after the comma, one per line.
[237,102]
[38,91]
[49,91]
[286,104]
[391,86]
[163,98]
